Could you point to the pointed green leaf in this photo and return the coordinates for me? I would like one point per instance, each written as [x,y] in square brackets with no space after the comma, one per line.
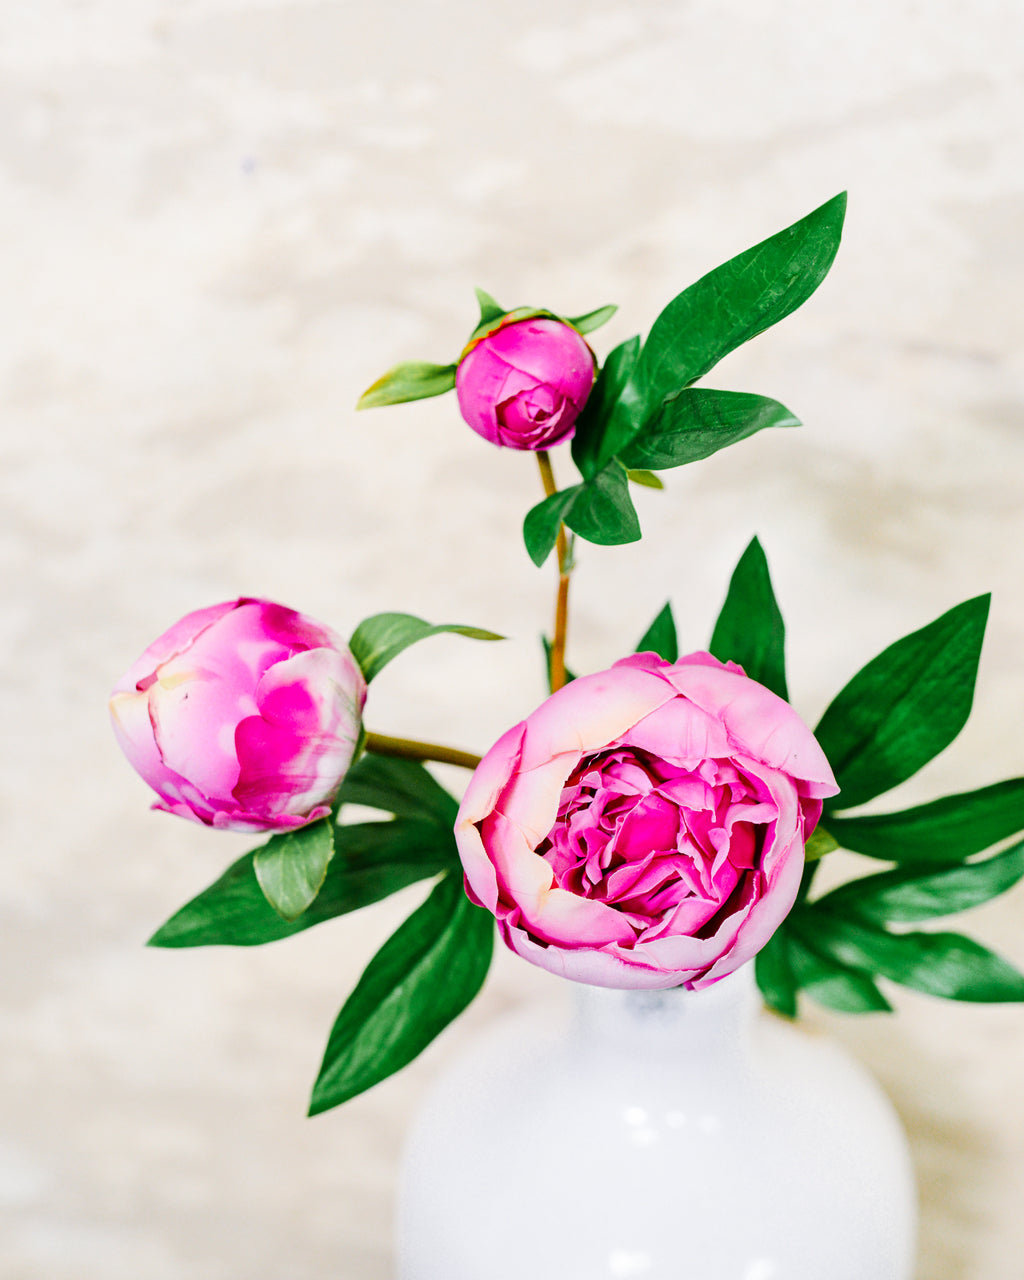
[819,843]
[773,970]
[660,637]
[414,380]
[697,422]
[905,706]
[291,867]
[372,860]
[402,787]
[384,636]
[490,308]
[750,629]
[946,830]
[540,528]
[737,301]
[590,450]
[603,510]
[645,478]
[426,973]
[833,984]
[940,964]
[593,319]
[908,895]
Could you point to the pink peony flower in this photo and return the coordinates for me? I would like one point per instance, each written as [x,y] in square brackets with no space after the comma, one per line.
[645,826]
[524,384]
[244,715]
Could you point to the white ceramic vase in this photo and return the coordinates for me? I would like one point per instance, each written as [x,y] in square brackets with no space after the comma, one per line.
[661,1135]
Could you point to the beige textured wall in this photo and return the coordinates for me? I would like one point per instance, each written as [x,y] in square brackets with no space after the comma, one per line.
[219,220]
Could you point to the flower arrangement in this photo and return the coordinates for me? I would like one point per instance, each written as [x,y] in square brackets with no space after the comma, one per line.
[653,825]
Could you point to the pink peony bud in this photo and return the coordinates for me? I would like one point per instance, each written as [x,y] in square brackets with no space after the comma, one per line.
[524,384]
[244,716]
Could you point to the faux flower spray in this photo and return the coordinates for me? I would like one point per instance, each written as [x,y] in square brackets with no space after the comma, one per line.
[656,824]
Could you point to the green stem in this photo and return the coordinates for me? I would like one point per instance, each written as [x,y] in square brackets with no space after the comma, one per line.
[410,749]
[547,476]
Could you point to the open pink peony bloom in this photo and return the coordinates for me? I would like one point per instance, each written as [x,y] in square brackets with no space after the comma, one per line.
[244,715]
[524,384]
[645,826]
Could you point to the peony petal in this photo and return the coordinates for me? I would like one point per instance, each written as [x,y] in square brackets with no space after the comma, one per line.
[175,640]
[590,714]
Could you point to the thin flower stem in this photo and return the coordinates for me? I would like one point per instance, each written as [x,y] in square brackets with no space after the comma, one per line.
[547,476]
[409,749]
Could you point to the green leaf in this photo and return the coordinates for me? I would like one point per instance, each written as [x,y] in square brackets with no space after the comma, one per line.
[750,629]
[946,830]
[379,639]
[540,528]
[940,964]
[737,301]
[773,970]
[909,895]
[402,787]
[291,867]
[833,984]
[819,843]
[372,860]
[424,976]
[660,637]
[593,319]
[905,706]
[414,380]
[645,478]
[590,450]
[570,676]
[696,422]
[603,510]
[490,308]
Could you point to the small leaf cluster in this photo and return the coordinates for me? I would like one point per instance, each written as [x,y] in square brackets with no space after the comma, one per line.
[894,716]
[644,413]
[425,973]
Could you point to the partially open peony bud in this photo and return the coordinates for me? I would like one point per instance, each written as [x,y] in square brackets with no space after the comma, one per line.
[645,826]
[244,716]
[524,384]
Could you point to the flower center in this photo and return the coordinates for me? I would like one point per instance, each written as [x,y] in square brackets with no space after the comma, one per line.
[664,842]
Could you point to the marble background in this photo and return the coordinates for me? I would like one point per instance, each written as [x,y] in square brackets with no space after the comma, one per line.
[219,221]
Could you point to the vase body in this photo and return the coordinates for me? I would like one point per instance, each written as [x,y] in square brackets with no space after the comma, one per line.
[663,1135]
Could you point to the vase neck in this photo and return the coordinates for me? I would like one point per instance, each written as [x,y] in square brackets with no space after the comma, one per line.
[713,1023]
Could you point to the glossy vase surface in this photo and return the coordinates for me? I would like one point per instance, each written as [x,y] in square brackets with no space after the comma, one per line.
[663,1135]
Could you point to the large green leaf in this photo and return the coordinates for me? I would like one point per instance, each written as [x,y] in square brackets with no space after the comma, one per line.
[909,895]
[833,984]
[414,380]
[291,867]
[423,977]
[540,528]
[384,636]
[750,629]
[590,450]
[696,422]
[660,637]
[737,301]
[372,860]
[946,830]
[941,964]
[905,706]
[773,969]
[603,510]
[402,787]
